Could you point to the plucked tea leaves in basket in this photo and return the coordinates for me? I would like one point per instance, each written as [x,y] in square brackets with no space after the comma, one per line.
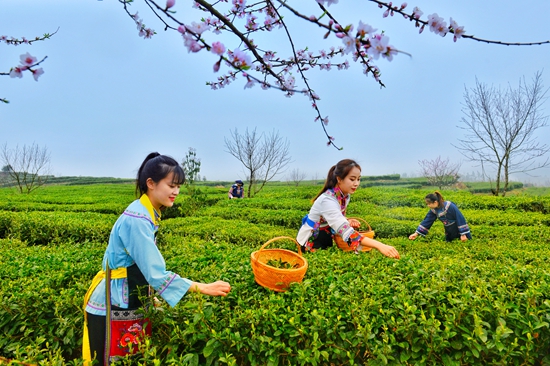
[276,269]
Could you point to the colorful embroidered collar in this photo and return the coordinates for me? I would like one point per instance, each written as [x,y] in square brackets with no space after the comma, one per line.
[155,215]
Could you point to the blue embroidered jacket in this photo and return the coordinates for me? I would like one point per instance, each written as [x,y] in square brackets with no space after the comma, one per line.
[132,241]
[449,215]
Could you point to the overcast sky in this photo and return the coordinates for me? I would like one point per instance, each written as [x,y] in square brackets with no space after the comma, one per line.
[108,97]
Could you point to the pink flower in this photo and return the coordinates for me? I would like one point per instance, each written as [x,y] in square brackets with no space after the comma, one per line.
[251,22]
[218,48]
[239,6]
[269,22]
[379,45]
[289,83]
[364,30]
[16,73]
[191,44]
[36,73]
[458,30]
[249,84]
[437,24]
[27,59]
[170,3]
[349,42]
[417,13]
[198,28]
[268,56]
[182,29]
[241,59]
[146,33]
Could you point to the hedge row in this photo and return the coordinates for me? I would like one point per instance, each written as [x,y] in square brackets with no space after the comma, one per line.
[451,304]
[221,223]
[42,228]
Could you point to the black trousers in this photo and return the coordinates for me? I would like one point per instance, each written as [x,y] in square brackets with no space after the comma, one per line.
[323,240]
[96,332]
[451,233]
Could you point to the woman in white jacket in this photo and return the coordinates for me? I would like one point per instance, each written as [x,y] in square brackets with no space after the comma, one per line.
[327,216]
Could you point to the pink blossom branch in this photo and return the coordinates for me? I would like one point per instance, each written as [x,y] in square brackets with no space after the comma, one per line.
[18,70]
[304,79]
[400,10]
[374,71]
[363,44]
[23,40]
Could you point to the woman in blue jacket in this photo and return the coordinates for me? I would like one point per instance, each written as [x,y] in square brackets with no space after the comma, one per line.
[447,212]
[113,323]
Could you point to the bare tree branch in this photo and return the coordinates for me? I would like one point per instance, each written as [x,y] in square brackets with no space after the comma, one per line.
[28,167]
[439,172]
[501,127]
[263,156]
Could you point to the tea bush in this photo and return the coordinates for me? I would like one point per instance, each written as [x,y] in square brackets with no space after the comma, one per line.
[481,302]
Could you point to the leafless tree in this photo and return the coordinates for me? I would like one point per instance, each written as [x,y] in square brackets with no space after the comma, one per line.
[28,167]
[263,156]
[501,127]
[296,176]
[439,172]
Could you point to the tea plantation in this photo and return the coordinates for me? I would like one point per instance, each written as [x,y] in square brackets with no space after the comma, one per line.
[482,302]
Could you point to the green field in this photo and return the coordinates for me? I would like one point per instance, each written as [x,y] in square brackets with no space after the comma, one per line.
[482,302]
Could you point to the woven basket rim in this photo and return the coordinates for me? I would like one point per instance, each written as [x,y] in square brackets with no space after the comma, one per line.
[260,268]
[254,258]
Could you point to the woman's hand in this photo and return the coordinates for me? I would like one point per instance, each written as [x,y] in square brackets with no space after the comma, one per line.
[389,251]
[413,236]
[354,223]
[463,237]
[218,288]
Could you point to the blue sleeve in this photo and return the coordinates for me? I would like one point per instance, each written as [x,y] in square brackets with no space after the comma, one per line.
[427,223]
[138,238]
[463,227]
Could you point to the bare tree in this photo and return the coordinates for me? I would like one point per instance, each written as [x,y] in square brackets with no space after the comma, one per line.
[440,172]
[263,156]
[296,176]
[28,167]
[501,129]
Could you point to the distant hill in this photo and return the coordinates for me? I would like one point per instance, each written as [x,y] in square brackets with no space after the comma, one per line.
[87,180]
[73,180]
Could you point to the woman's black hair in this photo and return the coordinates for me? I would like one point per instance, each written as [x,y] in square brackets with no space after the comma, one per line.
[340,170]
[157,167]
[435,197]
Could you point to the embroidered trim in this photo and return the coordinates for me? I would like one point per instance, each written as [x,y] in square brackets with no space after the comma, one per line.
[422,230]
[167,281]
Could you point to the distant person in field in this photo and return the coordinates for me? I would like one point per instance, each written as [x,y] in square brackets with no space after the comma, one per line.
[236,190]
[447,212]
[133,266]
[327,216]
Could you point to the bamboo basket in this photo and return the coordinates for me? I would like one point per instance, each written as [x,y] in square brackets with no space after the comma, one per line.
[368,233]
[278,279]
